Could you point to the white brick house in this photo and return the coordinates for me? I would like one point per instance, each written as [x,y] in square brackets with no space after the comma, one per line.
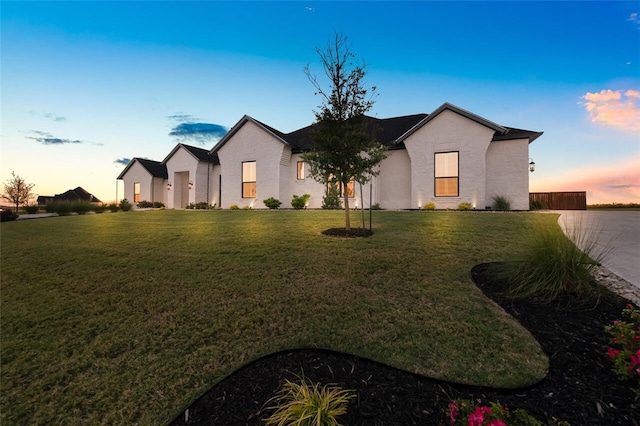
[448,157]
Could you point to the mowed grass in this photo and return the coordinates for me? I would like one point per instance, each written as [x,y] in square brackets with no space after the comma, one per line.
[127,318]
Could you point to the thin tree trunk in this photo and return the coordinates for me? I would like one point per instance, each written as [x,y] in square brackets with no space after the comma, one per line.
[347,218]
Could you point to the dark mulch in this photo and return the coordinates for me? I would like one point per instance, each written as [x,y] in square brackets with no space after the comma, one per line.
[580,387]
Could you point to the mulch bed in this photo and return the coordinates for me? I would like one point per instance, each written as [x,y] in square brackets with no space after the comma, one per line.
[580,387]
[351,233]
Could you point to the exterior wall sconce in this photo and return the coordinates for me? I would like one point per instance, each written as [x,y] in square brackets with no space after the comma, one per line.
[169,186]
[190,185]
[532,166]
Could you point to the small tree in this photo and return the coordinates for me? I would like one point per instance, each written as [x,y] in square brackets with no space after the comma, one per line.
[343,148]
[17,190]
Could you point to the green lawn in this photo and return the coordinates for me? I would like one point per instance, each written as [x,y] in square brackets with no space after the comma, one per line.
[128,317]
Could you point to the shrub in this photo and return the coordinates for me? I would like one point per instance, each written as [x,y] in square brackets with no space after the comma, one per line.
[376,206]
[246,208]
[200,205]
[625,353]
[553,265]
[299,202]
[158,205]
[272,203]
[145,205]
[538,205]
[463,412]
[331,199]
[125,205]
[7,215]
[234,207]
[67,207]
[501,203]
[308,404]
[429,206]
[32,208]
[464,206]
[113,207]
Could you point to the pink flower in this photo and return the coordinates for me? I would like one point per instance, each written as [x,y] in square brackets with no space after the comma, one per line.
[635,359]
[476,418]
[453,412]
[496,422]
[613,353]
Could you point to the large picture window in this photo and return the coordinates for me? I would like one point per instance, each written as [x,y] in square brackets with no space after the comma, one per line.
[136,192]
[249,179]
[446,174]
[351,188]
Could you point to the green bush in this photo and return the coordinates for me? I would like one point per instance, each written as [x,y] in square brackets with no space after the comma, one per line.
[299,202]
[501,203]
[538,205]
[68,207]
[201,205]
[308,404]
[464,206]
[113,207]
[7,215]
[246,208]
[272,203]
[32,208]
[429,206]
[158,205]
[331,199]
[553,266]
[125,205]
[376,206]
[234,207]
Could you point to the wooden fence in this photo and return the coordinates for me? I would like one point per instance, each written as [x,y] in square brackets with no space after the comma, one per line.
[574,200]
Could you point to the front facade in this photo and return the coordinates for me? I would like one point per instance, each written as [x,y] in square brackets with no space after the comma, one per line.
[448,157]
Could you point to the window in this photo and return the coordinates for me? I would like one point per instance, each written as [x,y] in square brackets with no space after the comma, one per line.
[351,188]
[136,192]
[446,174]
[249,179]
[300,170]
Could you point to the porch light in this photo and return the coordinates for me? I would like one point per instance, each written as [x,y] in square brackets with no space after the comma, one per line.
[190,185]
[532,166]
[169,186]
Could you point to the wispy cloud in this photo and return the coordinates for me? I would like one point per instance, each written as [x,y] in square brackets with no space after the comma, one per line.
[48,139]
[49,115]
[193,130]
[181,118]
[122,161]
[614,108]
[634,18]
[618,182]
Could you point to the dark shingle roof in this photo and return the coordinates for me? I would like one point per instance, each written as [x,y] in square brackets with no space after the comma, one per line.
[202,154]
[155,168]
[387,131]
[78,194]
[512,133]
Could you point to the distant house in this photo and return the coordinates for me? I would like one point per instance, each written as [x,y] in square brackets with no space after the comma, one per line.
[73,195]
[448,157]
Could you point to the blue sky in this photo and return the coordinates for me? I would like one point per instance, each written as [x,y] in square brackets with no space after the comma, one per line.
[85,86]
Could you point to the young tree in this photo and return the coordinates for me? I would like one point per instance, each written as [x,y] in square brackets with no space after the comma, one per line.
[17,190]
[344,149]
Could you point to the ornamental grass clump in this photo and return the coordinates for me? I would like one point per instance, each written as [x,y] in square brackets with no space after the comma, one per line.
[625,350]
[554,264]
[501,203]
[308,404]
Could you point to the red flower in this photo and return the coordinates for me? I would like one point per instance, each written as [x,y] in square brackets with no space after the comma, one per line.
[613,353]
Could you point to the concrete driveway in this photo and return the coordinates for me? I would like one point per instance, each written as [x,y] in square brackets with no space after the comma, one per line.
[617,232]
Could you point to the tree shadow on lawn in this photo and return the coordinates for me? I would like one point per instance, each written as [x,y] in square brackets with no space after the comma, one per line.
[580,387]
